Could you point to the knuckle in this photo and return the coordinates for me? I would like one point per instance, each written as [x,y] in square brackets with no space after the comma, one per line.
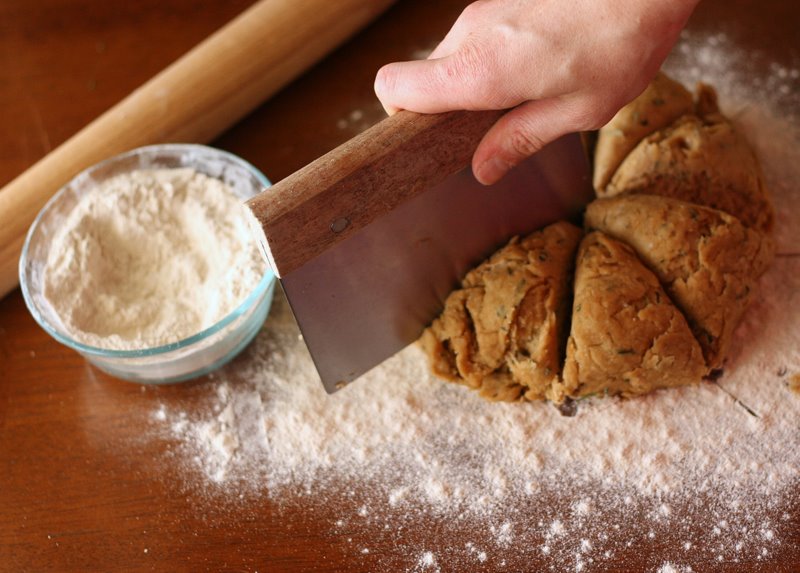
[470,58]
[522,141]
[473,68]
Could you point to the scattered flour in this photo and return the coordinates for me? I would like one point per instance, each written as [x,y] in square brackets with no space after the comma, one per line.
[362,118]
[427,562]
[371,111]
[151,257]
[705,471]
[670,568]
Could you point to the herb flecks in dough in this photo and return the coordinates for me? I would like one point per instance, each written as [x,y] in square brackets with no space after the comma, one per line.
[662,102]
[628,338]
[502,332]
[700,160]
[707,260]
[686,222]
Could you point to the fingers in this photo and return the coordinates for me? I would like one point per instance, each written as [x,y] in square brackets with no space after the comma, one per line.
[474,67]
[413,85]
[458,81]
[397,85]
[410,85]
[519,134]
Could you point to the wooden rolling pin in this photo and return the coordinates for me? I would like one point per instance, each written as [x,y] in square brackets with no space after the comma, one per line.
[193,100]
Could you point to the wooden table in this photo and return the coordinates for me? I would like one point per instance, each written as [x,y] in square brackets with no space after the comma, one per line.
[80,489]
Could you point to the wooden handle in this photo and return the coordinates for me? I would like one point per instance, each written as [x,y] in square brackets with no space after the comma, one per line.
[362,179]
[193,100]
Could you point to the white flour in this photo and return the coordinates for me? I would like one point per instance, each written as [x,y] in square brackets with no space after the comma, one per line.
[700,475]
[151,257]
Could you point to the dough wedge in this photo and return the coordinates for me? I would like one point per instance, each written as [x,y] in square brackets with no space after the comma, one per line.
[627,337]
[707,261]
[699,160]
[663,101]
[502,333]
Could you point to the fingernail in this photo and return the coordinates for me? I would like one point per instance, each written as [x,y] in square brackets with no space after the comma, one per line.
[492,170]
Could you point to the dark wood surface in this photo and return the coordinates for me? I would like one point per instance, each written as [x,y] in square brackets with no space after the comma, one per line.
[80,488]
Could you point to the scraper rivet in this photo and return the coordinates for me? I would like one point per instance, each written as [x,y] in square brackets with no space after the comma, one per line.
[340,225]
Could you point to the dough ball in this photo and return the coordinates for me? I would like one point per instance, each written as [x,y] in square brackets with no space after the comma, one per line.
[627,337]
[699,160]
[707,260]
[502,333]
[661,103]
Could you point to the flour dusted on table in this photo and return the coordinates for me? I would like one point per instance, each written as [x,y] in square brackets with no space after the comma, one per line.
[151,257]
[700,475]
[401,448]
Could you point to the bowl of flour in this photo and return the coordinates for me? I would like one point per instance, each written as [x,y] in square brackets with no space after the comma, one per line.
[147,263]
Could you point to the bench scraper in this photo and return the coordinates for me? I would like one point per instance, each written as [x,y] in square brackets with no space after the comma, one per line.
[369,239]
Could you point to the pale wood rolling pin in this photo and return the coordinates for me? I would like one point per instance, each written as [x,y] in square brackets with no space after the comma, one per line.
[195,99]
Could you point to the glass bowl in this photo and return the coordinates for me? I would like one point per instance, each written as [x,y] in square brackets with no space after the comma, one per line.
[178,361]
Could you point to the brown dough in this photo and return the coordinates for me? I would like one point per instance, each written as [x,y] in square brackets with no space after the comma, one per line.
[707,260]
[502,333]
[705,100]
[681,188]
[627,337]
[661,103]
[699,160]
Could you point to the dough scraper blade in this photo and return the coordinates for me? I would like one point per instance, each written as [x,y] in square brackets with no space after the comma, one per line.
[369,239]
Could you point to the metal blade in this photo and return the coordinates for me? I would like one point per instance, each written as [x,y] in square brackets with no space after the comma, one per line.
[371,295]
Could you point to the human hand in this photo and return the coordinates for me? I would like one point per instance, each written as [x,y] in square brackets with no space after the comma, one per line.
[562,65]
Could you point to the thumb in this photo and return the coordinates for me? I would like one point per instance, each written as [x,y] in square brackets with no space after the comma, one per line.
[426,86]
[517,135]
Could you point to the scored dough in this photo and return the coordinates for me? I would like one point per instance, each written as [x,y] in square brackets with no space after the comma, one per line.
[627,337]
[502,333]
[661,103]
[699,160]
[707,260]
[678,238]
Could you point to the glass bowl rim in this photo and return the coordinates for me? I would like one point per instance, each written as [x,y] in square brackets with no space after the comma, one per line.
[250,301]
